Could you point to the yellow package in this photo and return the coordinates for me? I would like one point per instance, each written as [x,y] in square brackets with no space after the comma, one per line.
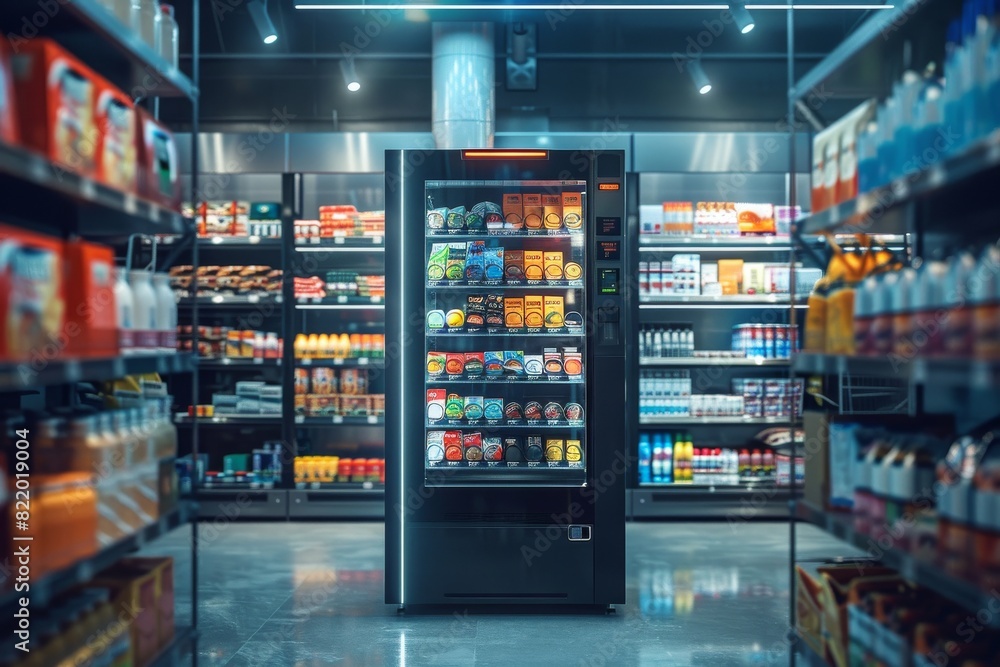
[553,312]
[513,211]
[534,311]
[532,211]
[553,265]
[552,207]
[572,210]
[534,267]
[731,276]
[513,312]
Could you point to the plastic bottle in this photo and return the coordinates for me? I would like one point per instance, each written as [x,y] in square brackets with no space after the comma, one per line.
[125,304]
[953,78]
[166,313]
[985,302]
[645,459]
[906,160]
[887,119]
[668,459]
[167,36]
[930,308]
[981,37]
[958,327]
[868,158]
[927,146]
[145,310]
[144,14]
[902,309]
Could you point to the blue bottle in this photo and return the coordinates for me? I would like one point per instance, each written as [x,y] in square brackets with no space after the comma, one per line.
[657,464]
[645,459]
[668,459]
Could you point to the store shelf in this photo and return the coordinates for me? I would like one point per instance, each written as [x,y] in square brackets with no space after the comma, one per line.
[503,425]
[736,506]
[357,362]
[939,373]
[46,373]
[561,332]
[504,286]
[438,237]
[242,504]
[102,38]
[341,303]
[542,474]
[711,361]
[341,487]
[52,585]
[714,243]
[240,242]
[332,502]
[730,299]
[232,301]
[341,243]
[184,643]
[961,592]
[109,211]
[495,379]
[237,364]
[866,213]
[230,420]
[712,421]
[338,420]
[723,489]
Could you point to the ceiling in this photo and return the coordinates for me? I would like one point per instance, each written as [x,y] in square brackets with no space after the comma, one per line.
[596,69]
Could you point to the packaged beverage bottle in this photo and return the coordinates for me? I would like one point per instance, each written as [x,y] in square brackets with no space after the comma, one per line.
[355,345]
[166,313]
[756,463]
[300,346]
[645,459]
[657,347]
[345,345]
[323,347]
[931,306]
[889,115]
[953,77]
[908,92]
[668,459]
[657,459]
[882,314]
[902,310]
[868,158]
[768,463]
[145,310]
[984,296]
[125,304]
[167,37]
[958,333]
[675,343]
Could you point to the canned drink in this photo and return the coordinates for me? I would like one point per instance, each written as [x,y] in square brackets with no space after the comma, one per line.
[781,350]
[769,342]
[323,381]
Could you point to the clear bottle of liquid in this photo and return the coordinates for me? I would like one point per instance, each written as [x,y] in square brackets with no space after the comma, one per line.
[125,304]
[166,313]
[166,35]
[145,310]
[144,13]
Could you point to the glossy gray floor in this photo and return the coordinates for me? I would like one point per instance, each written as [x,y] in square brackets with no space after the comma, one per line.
[309,594]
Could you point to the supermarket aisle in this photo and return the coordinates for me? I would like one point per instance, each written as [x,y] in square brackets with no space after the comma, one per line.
[311,594]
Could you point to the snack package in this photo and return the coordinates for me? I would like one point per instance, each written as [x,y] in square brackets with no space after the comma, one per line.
[532,211]
[452,441]
[494,310]
[475,364]
[438,261]
[533,411]
[435,320]
[513,312]
[533,448]
[554,312]
[455,269]
[512,450]
[32,302]
[513,262]
[574,412]
[475,262]
[159,171]
[8,113]
[554,412]
[755,219]
[534,364]
[574,451]
[455,364]
[454,407]
[455,220]
[472,443]
[552,211]
[572,271]
[493,362]
[455,318]
[513,211]
[493,269]
[117,157]
[485,215]
[492,449]
[435,405]
[572,210]
[493,409]
[572,361]
[513,412]
[534,264]
[555,450]
[553,361]
[435,446]
[553,265]
[473,408]
[534,311]
[513,362]
[436,218]
[475,311]
[90,300]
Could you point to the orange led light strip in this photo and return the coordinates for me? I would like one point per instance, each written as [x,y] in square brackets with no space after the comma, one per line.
[500,154]
[609,186]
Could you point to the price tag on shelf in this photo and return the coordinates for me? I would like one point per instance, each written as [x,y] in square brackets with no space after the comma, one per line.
[367,486]
[129,204]
[258,361]
[316,486]
[342,299]
[314,240]
[362,361]
[377,240]
[299,419]
[337,361]
[338,240]
[88,190]
[316,300]
[73,371]
[338,419]
[376,299]
[306,361]
[85,571]
[372,419]
[253,298]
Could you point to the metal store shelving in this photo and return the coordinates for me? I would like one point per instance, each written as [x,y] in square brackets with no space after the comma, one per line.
[59,202]
[938,373]
[688,362]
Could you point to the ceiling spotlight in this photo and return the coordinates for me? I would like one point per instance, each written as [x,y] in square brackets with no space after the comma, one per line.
[742,17]
[699,77]
[258,12]
[350,75]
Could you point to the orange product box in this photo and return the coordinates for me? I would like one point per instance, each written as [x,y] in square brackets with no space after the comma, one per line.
[162,570]
[534,264]
[552,208]
[91,313]
[532,210]
[572,210]
[754,219]
[133,597]
[731,276]
[513,211]
[32,304]
[159,172]
[117,158]
[8,113]
[54,93]
[513,312]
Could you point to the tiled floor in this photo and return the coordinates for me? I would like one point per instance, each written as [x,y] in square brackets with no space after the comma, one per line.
[309,594]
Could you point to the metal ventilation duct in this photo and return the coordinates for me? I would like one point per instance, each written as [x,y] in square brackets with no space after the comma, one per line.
[464,92]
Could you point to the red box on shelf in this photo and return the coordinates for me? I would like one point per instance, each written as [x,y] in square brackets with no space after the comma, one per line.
[91,313]
[54,93]
[8,113]
[117,148]
[159,173]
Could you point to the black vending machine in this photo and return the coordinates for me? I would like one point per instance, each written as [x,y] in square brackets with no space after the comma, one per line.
[505,361]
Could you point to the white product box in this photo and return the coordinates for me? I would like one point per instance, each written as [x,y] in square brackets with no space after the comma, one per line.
[651,219]
[753,277]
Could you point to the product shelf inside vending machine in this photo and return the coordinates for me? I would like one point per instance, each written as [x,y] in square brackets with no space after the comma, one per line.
[502,273]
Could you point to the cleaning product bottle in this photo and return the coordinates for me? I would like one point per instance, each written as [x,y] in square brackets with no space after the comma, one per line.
[125,303]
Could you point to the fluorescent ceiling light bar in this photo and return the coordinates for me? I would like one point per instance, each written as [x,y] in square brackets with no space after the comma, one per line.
[583,7]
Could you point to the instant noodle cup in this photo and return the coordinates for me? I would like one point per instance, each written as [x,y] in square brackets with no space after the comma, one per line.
[435,445]
[453,445]
[555,450]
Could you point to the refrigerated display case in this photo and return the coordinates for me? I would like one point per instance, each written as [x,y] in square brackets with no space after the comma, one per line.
[505,414]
